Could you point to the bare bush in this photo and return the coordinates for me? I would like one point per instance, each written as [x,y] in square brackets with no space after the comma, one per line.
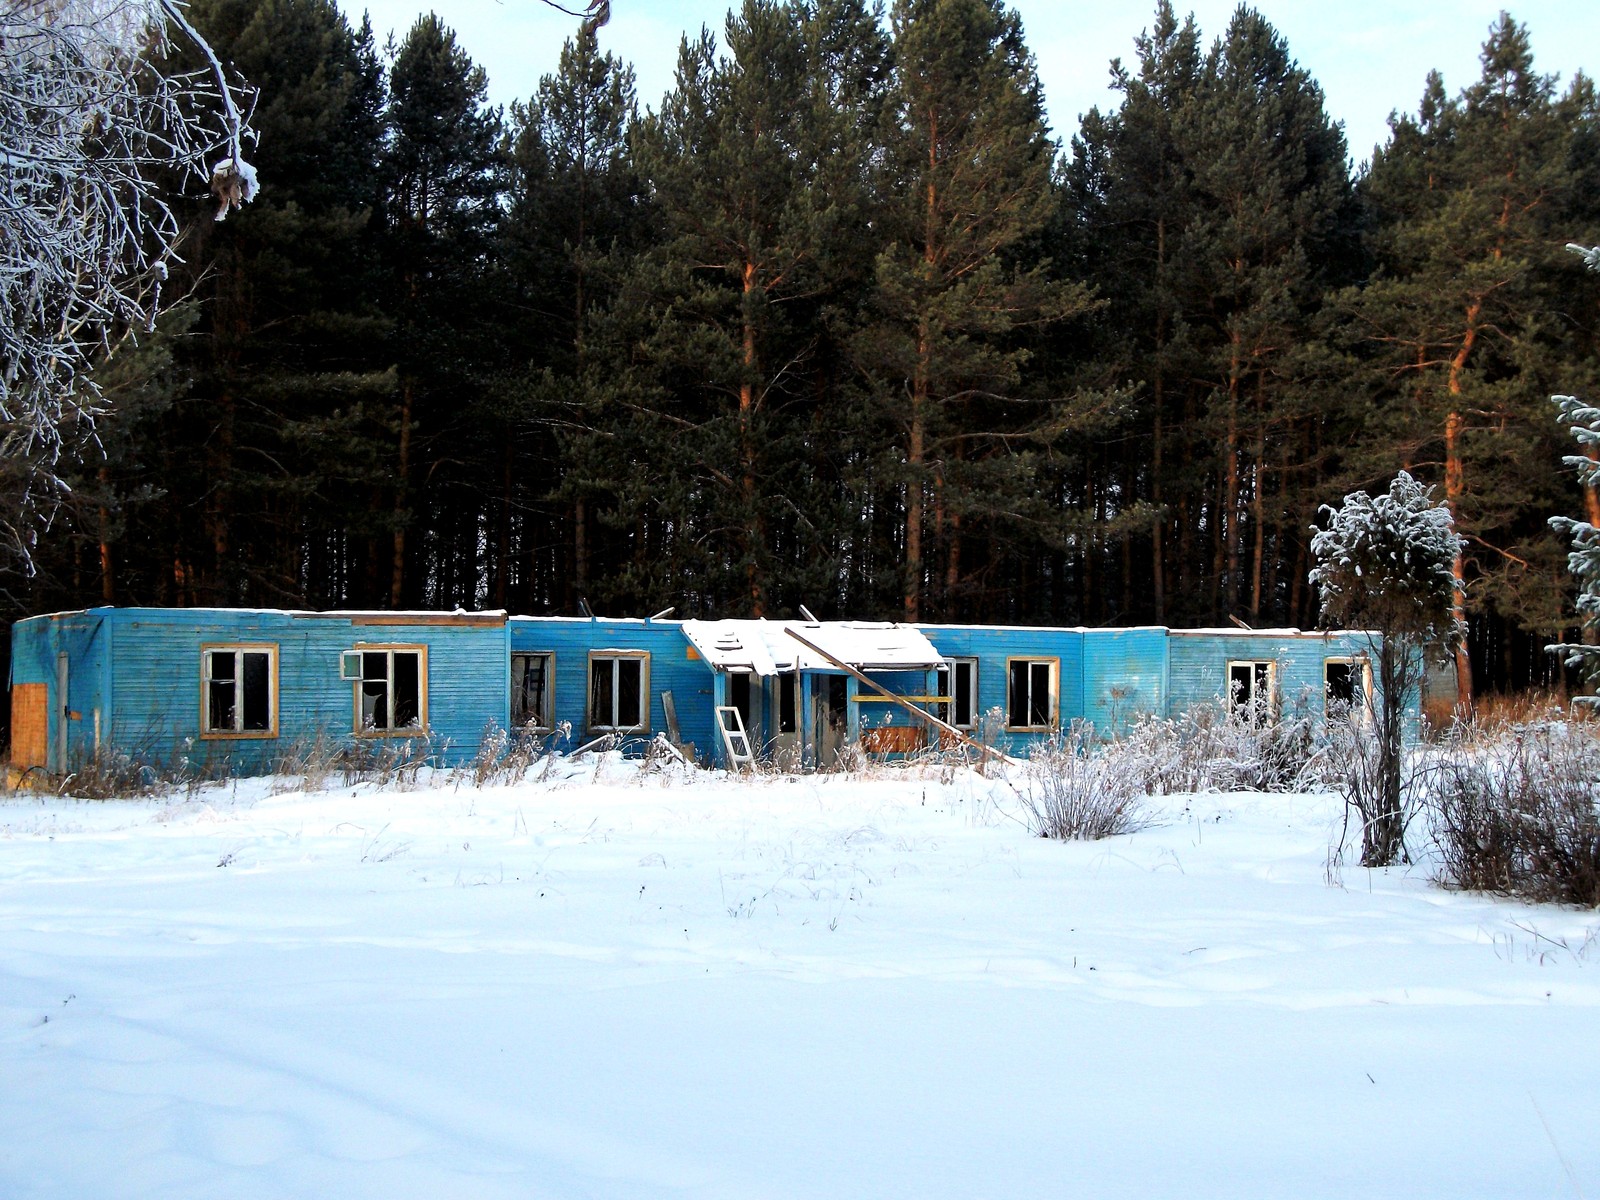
[1214,747]
[1514,812]
[1075,788]
[1357,765]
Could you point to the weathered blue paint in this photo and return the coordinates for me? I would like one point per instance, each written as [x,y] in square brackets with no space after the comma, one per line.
[1200,658]
[673,667]
[135,674]
[134,678]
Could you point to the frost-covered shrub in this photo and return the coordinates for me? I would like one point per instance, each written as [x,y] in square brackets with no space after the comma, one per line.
[1514,812]
[1077,788]
[1215,747]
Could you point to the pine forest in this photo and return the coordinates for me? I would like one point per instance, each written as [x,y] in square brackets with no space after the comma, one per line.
[841,322]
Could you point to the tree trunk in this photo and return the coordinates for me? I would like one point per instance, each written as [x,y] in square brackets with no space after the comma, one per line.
[1454,489]
[397,565]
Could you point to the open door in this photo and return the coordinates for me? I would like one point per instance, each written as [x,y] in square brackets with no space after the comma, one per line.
[831,703]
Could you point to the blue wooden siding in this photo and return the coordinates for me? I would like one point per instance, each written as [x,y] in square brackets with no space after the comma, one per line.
[148,689]
[85,637]
[1124,676]
[135,676]
[993,646]
[1199,670]
[673,668]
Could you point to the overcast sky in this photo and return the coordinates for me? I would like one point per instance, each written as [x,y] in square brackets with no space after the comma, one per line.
[1370,56]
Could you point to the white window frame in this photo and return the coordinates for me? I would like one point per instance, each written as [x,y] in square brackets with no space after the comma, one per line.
[949,671]
[238,650]
[596,657]
[549,690]
[1364,678]
[1054,665]
[358,677]
[1268,710]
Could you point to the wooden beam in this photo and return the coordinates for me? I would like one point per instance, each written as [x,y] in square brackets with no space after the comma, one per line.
[921,715]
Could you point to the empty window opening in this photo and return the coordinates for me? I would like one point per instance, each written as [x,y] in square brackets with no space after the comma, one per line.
[1031,693]
[617,689]
[240,690]
[1345,681]
[739,697]
[1251,686]
[958,679]
[532,677]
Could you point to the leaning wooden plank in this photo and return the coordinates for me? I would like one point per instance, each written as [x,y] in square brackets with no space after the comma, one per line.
[922,715]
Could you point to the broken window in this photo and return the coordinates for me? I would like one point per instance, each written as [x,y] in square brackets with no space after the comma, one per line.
[241,690]
[958,679]
[1345,680]
[618,687]
[1031,693]
[1252,687]
[532,680]
[390,686]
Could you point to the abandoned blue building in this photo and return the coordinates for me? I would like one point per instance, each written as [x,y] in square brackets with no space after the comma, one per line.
[238,690]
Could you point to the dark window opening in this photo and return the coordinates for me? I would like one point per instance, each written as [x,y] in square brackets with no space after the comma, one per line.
[958,680]
[530,690]
[788,702]
[238,691]
[739,697]
[1030,704]
[617,692]
[391,690]
[1341,676]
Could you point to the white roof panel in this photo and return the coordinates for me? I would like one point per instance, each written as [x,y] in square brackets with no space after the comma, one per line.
[765,647]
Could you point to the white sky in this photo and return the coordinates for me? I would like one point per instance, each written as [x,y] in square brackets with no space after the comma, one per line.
[1371,56]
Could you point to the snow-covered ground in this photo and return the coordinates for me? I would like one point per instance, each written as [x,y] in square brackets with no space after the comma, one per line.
[623,985]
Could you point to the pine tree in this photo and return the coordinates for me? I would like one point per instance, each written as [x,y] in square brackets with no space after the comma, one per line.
[966,182]
[1453,328]
[757,165]
[444,178]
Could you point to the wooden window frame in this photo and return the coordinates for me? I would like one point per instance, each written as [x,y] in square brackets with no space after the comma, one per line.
[207,649]
[1055,693]
[420,649]
[549,689]
[614,656]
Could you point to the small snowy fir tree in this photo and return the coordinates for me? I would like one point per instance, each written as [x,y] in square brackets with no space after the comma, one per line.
[1385,565]
[94,117]
[1582,419]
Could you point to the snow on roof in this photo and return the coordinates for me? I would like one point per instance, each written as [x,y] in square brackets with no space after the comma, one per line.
[765,647]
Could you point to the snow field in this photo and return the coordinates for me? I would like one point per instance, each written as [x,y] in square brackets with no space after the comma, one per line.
[617,984]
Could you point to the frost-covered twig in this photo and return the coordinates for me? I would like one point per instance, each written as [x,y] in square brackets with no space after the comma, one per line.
[95,122]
